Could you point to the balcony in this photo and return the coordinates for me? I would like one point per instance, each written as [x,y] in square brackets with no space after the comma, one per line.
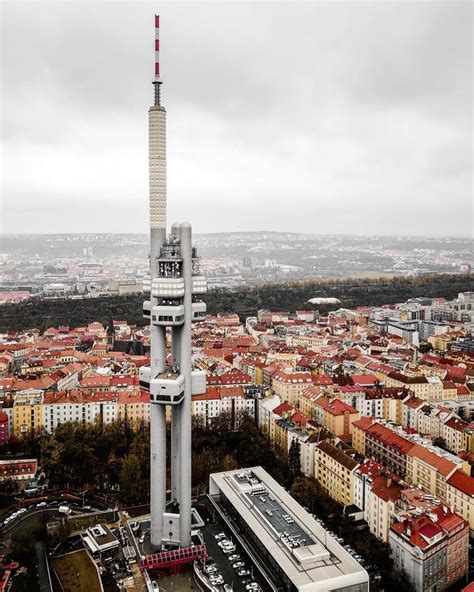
[146,309]
[167,388]
[170,251]
[167,287]
[198,311]
[168,315]
[199,284]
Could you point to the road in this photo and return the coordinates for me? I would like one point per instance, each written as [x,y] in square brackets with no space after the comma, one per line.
[26,520]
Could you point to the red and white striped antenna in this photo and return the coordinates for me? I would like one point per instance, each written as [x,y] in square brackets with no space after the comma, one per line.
[157,47]
[157,81]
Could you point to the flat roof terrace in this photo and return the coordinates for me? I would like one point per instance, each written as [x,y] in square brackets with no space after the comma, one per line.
[279,519]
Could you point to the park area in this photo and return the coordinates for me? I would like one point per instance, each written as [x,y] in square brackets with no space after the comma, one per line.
[76,572]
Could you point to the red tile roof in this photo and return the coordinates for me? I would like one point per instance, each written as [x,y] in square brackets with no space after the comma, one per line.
[365,379]
[282,408]
[293,377]
[442,465]
[337,407]
[390,438]
[463,482]
[386,489]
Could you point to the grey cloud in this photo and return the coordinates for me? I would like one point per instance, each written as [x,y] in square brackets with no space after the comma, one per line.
[291,116]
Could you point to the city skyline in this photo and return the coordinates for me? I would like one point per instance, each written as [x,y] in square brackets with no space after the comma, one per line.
[372,123]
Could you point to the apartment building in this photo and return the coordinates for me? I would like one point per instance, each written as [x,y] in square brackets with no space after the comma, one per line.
[218,401]
[425,387]
[364,476]
[429,470]
[453,433]
[431,548]
[460,495]
[290,385]
[380,505]
[79,406]
[336,416]
[133,407]
[27,413]
[359,429]
[388,448]
[334,470]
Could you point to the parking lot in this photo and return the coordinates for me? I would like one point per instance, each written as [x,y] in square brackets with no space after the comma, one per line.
[222,562]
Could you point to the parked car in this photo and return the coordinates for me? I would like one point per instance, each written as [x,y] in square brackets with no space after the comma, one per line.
[243,572]
[227,550]
[238,564]
[234,558]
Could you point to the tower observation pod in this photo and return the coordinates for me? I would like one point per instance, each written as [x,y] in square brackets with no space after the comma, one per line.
[175,288]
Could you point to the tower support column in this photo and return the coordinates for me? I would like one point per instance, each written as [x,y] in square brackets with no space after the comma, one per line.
[157,473]
[185,420]
[175,439]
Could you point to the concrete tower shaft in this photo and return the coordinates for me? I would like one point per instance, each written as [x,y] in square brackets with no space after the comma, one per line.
[174,287]
[157,167]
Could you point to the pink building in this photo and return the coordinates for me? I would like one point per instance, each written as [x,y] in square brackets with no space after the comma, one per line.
[4,428]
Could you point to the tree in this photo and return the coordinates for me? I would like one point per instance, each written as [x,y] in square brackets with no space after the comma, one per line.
[131,482]
[440,442]
[294,458]
[51,452]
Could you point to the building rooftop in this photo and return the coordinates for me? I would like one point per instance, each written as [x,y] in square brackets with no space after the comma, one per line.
[301,547]
[338,455]
[463,482]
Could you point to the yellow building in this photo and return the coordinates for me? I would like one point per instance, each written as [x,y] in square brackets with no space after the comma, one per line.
[281,428]
[338,418]
[285,358]
[381,499]
[468,439]
[359,428]
[440,342]
[133,407]
[460,495]
[258,372]
[429,470]
[290,385]
[308,398]
[334,470]
[393,409]
[27,413]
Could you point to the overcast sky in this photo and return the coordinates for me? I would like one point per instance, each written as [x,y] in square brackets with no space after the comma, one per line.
[320,117]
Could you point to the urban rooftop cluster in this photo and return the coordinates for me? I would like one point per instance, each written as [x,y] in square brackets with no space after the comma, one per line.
[378,402]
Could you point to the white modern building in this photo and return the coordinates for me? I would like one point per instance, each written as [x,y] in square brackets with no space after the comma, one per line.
[296,548]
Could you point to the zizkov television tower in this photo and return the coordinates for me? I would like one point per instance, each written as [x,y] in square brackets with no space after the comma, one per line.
[174,288]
